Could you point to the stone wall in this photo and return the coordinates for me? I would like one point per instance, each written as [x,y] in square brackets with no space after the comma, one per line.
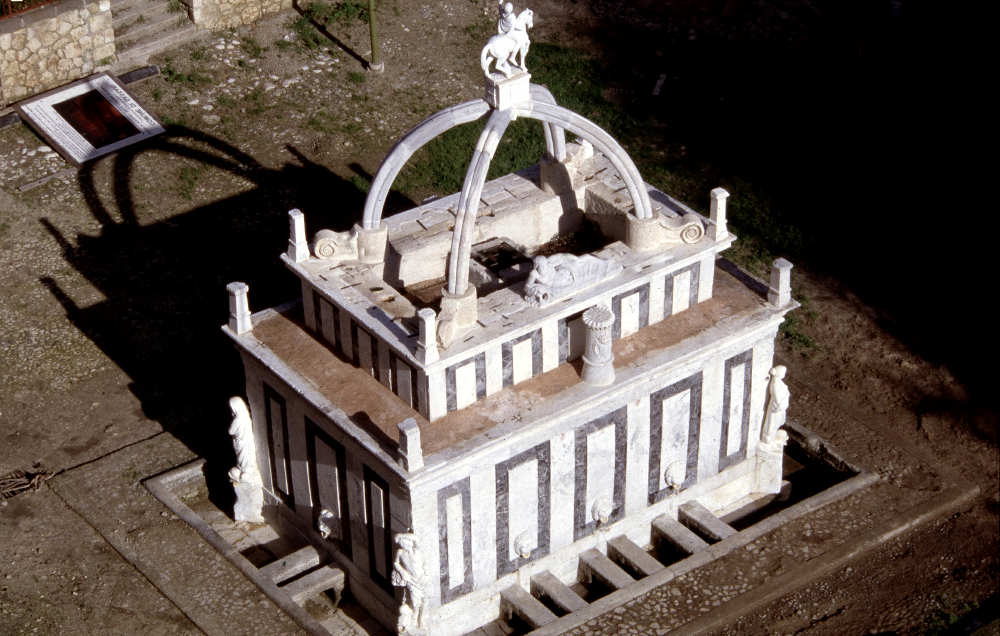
[222,14]
[52,45]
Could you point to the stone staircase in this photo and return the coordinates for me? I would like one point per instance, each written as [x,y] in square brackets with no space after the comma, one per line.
[146,27]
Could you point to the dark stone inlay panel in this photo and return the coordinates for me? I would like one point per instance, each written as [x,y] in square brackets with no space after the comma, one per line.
[668,288]
[462,489]
[695,270]
[398,378]
[313,433]
[279,419]
[616,308]
[745,359]
[371,477]
[507,355]
[358,332]
[583,523]
[317,311]
[355,356]
[563,330]
[542,454]
[451,386]
[693,384]
[480,375]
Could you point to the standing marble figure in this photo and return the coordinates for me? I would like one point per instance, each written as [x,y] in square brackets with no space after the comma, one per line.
[245,475]
[408,573]
[777,403]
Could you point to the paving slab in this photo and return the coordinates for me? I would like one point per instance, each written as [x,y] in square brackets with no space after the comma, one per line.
[59,576]
[197,580]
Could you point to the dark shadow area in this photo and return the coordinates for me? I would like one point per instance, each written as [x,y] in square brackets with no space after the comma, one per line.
[846,115]
[164,282]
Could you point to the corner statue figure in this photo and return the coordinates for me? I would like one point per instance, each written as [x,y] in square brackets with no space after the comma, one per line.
[408,573]
[777,404]
[510,42]
[245,475]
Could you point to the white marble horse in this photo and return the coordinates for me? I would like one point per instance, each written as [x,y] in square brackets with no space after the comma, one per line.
[505,48]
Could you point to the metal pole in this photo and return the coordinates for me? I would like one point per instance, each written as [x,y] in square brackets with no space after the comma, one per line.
[376,63]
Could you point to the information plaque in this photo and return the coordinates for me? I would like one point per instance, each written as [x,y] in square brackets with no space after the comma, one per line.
[89,118]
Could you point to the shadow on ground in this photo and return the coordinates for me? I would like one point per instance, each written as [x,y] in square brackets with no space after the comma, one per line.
[845,115]
[165,282]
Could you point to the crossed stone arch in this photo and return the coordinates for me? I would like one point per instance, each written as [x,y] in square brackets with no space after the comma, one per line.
[542,107]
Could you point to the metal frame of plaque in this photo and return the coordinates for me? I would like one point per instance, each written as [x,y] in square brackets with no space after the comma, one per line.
[89,118]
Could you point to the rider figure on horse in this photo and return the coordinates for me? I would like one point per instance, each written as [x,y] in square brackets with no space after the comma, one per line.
[506,22]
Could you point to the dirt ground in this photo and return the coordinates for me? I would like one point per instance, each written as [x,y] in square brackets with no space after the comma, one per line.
[113,275]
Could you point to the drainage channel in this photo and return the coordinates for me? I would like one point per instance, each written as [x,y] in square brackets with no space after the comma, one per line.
[300,579]
[814,476]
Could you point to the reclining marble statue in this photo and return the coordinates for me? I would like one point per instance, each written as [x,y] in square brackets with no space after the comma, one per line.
[556,276]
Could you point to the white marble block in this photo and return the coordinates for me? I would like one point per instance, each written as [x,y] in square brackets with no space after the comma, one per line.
[504,92]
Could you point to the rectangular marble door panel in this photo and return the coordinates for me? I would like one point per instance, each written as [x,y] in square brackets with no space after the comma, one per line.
[523,489]
[600,452]
[736,376]
[674,442]
[456,536]
[523,520]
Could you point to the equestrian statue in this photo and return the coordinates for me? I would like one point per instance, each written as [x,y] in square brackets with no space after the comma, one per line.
[510,42]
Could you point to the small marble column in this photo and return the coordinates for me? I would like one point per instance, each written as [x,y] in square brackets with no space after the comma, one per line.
[410,452]
[717,213]
[427,349]
[598,358]
[239,308]
[780,292]
[298,246]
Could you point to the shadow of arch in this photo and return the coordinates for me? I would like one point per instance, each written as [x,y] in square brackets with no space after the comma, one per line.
[163,282]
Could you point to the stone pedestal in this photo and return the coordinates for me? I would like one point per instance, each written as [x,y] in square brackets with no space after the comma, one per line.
[239,308]
[458,314]
[372,243]
[779,293]
[249,502]
[598,358]
[643,235]
[427,348]
[504,92]
[770,462]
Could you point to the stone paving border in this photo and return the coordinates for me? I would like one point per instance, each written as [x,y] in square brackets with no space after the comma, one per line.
[713,552]
[948,502]
[160,486]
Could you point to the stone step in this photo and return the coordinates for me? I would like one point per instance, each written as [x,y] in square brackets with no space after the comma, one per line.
[319,580]
[678,535]
[137,53]
[515,600]
[605,570]
[754,502]
[295,563]
[129,10]
[122,18]
[546,584]
[126,43]
[701,520]
[625,550]
[158,25]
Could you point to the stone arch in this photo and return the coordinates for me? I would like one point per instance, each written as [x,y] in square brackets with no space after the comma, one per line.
[436,124]
[556,116]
